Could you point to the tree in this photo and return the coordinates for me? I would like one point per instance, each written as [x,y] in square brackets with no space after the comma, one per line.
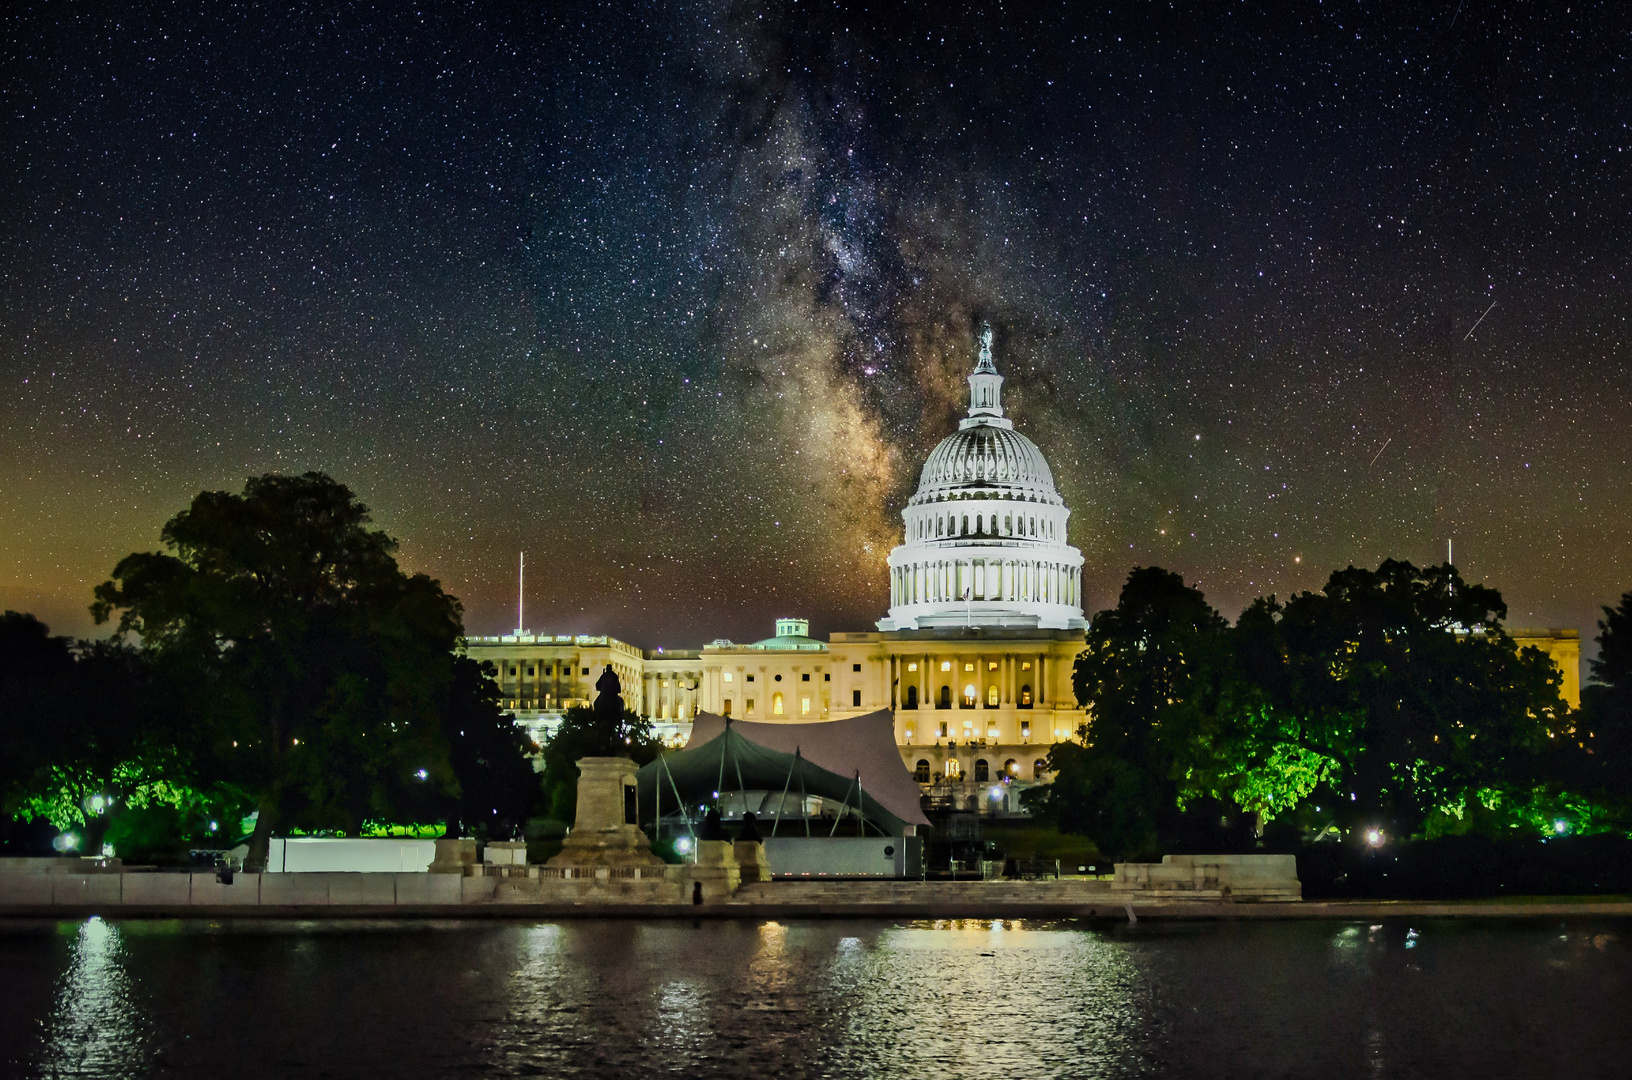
[319,670]
[88,745]
[1392,700]
[1601,764]
[1407,680]
[1149,676]
[498,788]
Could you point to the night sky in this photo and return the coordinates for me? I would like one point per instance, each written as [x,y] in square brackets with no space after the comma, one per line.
[677,299]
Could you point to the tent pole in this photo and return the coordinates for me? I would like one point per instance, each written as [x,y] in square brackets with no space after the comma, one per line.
[685,815]
[804,799]
[719,781]
[843,807]
[736,760]
[785,784]
[861,807]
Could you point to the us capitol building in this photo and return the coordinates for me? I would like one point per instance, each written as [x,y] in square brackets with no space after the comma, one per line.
[974,657]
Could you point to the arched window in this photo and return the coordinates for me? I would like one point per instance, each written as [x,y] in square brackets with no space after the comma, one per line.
[946,697]
[991,696]
[1008,523]
[982,771]
[920,771]
[1025,696]
[965,526]
[954,768]
[1011,767]
[912,698]
[1038,768]
[969,696]
[776,704]
[1033,527]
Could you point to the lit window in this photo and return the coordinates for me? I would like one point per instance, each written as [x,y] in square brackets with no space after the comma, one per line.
[910,667]
[727,707]
[991,665]
[1025,696]
[776,704]
[727,676]
[1026,666]
[968,667]
[804,706]
[946,665]
[954,768]
[991,696]
[750,705]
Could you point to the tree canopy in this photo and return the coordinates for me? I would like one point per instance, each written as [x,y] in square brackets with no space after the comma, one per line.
[1392,701]
[321,678]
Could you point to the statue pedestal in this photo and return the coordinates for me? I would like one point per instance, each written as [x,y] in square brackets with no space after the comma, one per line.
[601,836]
[715,875]
[751,861]
[454,856]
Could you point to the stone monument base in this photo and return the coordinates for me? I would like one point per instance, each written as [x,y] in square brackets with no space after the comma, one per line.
[751,862]
[601,836]
[715,874]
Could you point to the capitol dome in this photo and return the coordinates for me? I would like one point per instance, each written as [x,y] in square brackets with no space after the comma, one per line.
[985,458]
[985,540]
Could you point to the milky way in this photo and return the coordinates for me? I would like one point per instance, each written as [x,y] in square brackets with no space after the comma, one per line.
[678,298]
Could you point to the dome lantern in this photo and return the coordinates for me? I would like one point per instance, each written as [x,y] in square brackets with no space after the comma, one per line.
[985,384]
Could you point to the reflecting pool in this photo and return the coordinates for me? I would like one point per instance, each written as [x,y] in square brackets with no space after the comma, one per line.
[1010,998]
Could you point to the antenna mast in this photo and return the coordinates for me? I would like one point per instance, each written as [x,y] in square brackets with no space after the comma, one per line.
[521,594]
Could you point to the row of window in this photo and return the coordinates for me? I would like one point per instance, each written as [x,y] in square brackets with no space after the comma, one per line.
[778,705]
[728,676]
[953,769]
[971,697]
[548,671]
[985,525]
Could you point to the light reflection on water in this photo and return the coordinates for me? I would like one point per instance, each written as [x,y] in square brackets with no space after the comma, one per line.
[953,998]
[96,1028]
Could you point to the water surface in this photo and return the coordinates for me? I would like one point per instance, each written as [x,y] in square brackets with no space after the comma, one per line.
[750,999]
